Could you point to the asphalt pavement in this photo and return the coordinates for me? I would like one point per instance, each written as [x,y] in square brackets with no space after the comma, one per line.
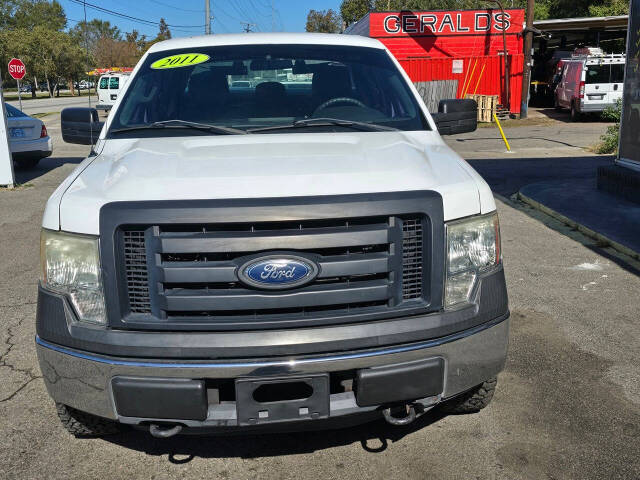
[567,405]
[55,104]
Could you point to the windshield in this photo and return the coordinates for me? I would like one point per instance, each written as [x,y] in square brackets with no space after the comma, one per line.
[13,111]
[256,86]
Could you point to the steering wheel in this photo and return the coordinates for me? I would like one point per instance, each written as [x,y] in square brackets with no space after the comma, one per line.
[333,101]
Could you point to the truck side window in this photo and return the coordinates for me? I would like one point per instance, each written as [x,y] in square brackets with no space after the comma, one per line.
[617,73]
[598,74]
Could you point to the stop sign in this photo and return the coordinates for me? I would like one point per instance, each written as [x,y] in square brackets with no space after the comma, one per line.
[17,69]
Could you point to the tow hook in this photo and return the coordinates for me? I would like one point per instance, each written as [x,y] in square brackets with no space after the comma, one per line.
[406,420]
[162,432]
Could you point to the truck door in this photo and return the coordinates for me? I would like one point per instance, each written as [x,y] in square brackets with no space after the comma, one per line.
[617,81]
[597,85]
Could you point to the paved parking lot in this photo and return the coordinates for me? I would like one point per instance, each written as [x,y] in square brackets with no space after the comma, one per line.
[567,405]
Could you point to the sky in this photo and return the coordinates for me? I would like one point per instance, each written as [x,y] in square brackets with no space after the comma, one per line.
[188,15]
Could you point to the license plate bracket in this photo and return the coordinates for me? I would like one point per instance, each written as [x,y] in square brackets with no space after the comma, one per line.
[277,399]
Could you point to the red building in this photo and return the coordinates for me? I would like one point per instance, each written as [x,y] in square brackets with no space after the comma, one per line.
[466,46]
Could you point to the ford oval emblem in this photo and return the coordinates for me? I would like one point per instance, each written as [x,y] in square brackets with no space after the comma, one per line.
[277,272]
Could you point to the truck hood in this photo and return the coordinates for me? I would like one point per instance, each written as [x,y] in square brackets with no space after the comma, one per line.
[272,165]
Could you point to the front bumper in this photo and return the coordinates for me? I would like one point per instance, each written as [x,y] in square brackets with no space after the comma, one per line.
[84,381]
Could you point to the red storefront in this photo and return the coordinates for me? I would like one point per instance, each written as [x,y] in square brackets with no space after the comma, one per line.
[466,46]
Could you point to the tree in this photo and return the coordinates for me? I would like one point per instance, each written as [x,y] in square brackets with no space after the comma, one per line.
[91,33]
[164,33]
[323,21]
[42,13]
[48,54]
[353,10]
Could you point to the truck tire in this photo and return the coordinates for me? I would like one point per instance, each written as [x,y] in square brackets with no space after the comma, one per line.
[576,116]
[81,424]
[26,164]
[472,401]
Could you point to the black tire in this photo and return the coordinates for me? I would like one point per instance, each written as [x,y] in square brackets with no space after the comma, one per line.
[81,424]
[472,401]
[26,164]
[576,116]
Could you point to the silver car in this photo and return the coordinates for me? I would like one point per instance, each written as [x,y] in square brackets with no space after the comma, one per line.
[28,138]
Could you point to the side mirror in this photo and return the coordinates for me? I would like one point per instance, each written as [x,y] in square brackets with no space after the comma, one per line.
[80,125]
[456,116]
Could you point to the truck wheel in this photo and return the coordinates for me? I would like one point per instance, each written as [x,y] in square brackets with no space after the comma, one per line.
[472,401]
[26,164]
[576,116]
[81,424]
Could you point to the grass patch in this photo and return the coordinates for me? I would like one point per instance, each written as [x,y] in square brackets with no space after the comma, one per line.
[16,186]
[42,114]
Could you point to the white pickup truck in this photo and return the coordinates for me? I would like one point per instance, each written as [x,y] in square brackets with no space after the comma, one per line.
[295,252]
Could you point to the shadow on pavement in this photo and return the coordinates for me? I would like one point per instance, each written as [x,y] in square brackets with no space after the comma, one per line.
[44,166]
[374,437]
[507,176]
[563,115]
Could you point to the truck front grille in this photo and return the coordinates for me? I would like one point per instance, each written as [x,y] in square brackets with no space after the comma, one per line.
[174,265]
[364,264]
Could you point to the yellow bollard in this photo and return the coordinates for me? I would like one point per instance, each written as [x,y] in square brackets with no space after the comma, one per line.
[495,117]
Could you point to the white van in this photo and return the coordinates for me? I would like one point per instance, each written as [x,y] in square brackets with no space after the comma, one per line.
[590,83]
[238,258]
[109,87]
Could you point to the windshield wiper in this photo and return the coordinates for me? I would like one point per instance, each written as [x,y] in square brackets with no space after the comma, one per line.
[182,124]
[327,122]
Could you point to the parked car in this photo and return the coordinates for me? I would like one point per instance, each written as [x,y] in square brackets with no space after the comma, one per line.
[28,138]
[25,88]
[226,260]
[590,83]
[109,86]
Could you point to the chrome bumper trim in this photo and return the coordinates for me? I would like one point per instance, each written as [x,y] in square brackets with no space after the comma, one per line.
[277,363]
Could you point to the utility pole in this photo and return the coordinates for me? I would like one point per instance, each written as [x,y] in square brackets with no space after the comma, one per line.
[273,21]
[207,17]
[247,27]
[528,46]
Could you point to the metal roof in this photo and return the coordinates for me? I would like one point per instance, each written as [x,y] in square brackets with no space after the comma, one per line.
[618,22]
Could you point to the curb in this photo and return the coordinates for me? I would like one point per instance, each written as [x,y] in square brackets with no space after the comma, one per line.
[578,226]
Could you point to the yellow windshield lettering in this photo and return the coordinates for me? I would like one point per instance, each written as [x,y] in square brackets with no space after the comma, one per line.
[182,60]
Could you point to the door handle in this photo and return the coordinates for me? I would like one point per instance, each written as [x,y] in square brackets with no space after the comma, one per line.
[615,87]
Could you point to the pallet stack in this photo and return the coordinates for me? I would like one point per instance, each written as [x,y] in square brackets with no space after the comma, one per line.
[487,106]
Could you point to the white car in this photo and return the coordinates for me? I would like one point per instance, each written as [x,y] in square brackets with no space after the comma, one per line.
[230,259]
[28,138]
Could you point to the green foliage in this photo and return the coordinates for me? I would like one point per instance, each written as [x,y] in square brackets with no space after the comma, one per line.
[609,141]
[323,21]
[613,113]
[609,7]
[353,10]
[39,13]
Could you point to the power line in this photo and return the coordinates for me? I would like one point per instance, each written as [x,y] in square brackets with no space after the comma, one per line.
[129,17]
[177,8]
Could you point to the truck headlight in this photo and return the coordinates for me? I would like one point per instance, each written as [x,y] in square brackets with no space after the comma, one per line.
[71,266]
[473,247]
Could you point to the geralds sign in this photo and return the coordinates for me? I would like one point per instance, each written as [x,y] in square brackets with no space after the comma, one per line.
[465,22]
